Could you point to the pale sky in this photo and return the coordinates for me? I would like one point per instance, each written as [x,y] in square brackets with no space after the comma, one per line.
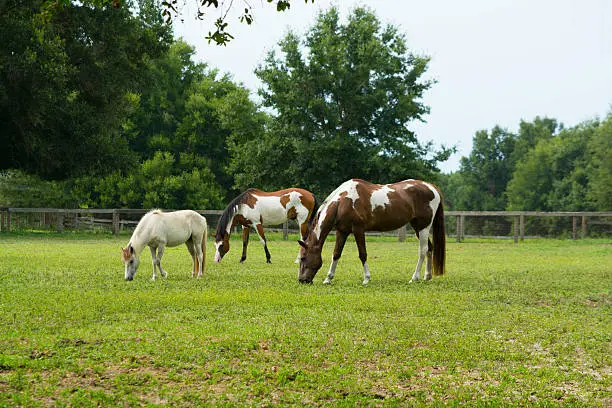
[497,62]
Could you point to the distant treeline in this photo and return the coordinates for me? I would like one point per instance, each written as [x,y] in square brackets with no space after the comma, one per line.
[101,107]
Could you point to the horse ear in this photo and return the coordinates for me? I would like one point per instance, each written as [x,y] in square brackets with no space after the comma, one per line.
[303,244]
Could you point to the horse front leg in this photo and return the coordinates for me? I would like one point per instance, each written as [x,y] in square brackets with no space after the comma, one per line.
[340,241]
[154,261]
[363,254]
[423,236]
[262,238]
[245,241]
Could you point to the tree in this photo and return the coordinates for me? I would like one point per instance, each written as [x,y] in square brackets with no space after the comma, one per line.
[486,171]
[193,110]
[599,170]
[67,86]
[553,176]
[531,133]
[172,9]
[159,182]
[341,100]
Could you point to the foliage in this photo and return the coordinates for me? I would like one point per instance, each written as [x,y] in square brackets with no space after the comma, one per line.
[159,182]
[599,168]
[19,189]
[341,98]
[64,86]
[481,182]
[486,334]
[172,10]
[544,167]
[486,171]
[553,175]
[194,111]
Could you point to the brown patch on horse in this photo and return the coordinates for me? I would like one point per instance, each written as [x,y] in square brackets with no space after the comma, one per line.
[250,199]
[292,213]
[240,219]
[284,200]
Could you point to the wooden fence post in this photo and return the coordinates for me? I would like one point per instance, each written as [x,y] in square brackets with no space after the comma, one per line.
[3,212]
[522,227]
[60,222]
[401,234]
[458,228]
[286,230]
[116,223]
[574,227]
[463,227]
[516,228]
[584,227]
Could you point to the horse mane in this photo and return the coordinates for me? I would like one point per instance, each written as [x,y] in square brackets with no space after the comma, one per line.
[230,210]
[313,215]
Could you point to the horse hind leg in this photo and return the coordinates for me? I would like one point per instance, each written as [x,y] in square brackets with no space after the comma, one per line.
[198,244]
[262,237]
[363,255]
[429,264]
[423,236]
[192,251]
[160,253]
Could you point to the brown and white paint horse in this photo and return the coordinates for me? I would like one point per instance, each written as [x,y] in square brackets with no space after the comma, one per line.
[256,208]
[357,206]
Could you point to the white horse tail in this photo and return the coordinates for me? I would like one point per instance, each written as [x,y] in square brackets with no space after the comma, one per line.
[204,238]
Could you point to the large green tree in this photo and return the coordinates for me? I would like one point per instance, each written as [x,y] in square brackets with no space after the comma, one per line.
[564,173]
[193,110]
[599,170]
[65,84]
[486,171]
[480,183]
[342,99]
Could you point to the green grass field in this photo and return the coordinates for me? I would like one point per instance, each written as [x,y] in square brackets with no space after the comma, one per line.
[509,324]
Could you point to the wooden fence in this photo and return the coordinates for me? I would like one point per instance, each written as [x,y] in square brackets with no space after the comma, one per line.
[510,223]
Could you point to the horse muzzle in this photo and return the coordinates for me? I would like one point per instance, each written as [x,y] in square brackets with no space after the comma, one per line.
[305,281]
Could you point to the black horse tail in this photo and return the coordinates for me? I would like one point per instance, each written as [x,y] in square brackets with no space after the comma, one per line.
[313,214]
[439,241]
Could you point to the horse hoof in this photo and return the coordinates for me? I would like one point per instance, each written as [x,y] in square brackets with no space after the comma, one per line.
[365,282]
[268,261]
[327,282]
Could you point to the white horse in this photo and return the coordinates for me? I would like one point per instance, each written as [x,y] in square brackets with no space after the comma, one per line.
[157,230]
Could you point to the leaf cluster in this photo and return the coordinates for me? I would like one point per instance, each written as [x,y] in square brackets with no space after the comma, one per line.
[543,167]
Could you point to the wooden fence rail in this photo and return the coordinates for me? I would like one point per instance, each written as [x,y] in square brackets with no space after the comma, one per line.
[128,218]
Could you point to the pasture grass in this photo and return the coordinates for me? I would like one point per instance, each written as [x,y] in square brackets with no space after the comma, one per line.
[509,324]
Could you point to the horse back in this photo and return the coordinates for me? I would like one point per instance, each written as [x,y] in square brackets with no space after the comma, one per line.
[391,206]
[179,226]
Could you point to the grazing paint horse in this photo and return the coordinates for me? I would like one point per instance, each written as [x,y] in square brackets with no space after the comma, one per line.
[256,208]
[357,206]
[158,230]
